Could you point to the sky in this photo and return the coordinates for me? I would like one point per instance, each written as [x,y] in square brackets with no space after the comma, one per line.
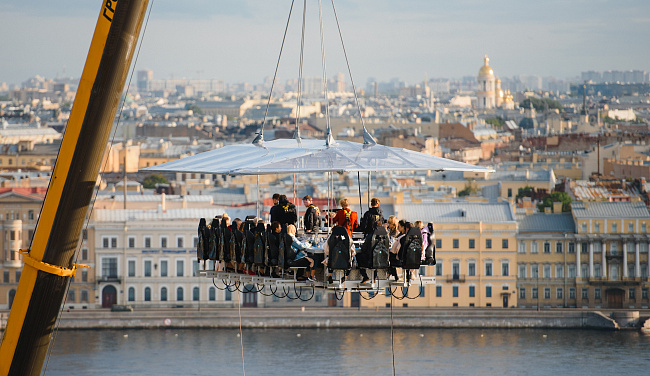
[239,40]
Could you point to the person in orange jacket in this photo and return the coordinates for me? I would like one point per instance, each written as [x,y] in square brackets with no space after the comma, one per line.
[346,217]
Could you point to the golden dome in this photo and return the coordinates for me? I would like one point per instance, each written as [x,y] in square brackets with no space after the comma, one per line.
[486,69]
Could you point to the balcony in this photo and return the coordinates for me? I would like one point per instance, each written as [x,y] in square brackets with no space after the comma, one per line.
[455,278]
[110,278]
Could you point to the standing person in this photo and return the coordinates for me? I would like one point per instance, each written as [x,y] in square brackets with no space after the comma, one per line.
[275,209]
[288,214]
[371,217]
[312,215]
[346,217]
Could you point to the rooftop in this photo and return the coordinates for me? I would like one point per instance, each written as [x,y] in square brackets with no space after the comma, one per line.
[614,210]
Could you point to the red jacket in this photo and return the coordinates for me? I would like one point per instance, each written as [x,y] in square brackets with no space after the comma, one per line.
[348,219]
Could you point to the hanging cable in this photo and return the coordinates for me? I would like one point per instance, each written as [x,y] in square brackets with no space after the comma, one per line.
[241,341]
[296,132]
[392,333]
[367,138]
[58,321]
[259,140]
[329,139]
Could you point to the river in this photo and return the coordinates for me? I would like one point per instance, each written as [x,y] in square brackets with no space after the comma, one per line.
[350,352]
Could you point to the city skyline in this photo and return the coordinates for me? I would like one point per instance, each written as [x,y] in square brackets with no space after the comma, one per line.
[239,42]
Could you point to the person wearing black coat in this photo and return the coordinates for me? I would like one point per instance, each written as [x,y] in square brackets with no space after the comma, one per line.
[312,215]
[288,212]
[370,217]
[275,209]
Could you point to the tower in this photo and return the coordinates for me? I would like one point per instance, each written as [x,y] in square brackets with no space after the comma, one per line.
[486,93]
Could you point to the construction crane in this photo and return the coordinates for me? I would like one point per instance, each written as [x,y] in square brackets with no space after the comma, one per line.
[49,262]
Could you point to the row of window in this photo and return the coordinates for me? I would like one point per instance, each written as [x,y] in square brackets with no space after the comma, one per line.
[571,268]
[584,293]
[72,296]
[471,290]
[584,247]
[112,241]
[630,228]
[471,268]
[472,243]
[180,294]
[12,215]
[161,268]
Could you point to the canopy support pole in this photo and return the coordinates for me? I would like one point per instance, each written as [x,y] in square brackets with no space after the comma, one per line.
[368,188]
[360,200]
[257,202]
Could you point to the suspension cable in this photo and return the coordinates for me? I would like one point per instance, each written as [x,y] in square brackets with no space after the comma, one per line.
[260,136]
[296,133]
[329,139]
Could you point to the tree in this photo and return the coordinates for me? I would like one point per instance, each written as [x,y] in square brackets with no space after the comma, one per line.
[470,189]
[497,122]
[153,179]
[541,104]
[526,191]
[547,202]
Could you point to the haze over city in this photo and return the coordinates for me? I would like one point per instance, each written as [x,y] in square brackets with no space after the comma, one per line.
[239,41]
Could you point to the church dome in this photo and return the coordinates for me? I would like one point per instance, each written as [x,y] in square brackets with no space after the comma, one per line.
[486,69]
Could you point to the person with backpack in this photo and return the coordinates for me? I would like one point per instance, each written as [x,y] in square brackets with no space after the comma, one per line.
[275,209]
[395,249]
[288,215]
[410,253]
[312,215]
[430,248]
[339,251]
[370,217]
[346,217]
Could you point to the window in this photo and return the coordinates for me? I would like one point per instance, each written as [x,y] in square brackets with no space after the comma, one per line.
[131,241]
[439,268]
[630,247]
[147,268]
[522,247]
[212,294]
[472,243]
[534,247]
[105,242]
[84,253]
[472,291]
[109,267]
[630,228]
[534,293]
[30,235]
[534,271]
[488,291]
[559,293]
[5,276]
[558,247]
[179,268]
[454,290]
[195,241]
[147,294]
[228,295]
[572,292]
[438,243]
[179,242]
[509,192]
[131,268]
[613,248]
[559,271]
[163,294]
[597,293]
[113,241]
[84,234]
[71,296]
[84,275]
[471,269]
[488,243]
[583,227]
[547,247]
[631,293]
[572,247]
[505,268]
[455,241]
[522,271]
[488,268]
[423,270]
[132,294]
[84,296]
[195,268]
[195,294]
[504,243]
[597,271]
[597,227]
[163,268]
[644,270]
[585,294]
[584,248]
[547,271]
[163,242]
[584,270]
[388,292]
[572,271]
[147,241]
[455,270]
[630,270]
[522,293]
[422,293]
[30,214]
[179,294]
[643,228]
[438,291]
[547,293]
[614,228]
[644,293]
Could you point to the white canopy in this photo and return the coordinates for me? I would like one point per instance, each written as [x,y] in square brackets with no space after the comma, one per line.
[290,156]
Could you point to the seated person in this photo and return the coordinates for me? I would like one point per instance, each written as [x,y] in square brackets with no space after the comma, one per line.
[332,241]
[301,259]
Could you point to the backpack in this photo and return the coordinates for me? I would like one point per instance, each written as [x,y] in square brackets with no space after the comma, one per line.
[273,249]
[236,240]
[339,249]
[200,245]
[380,246]
[259,248]
[430,250]
[411,253]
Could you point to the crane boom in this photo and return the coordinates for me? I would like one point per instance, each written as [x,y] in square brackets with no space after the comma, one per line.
[50,262]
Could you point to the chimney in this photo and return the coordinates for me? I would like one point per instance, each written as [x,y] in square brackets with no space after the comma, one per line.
[557,207]
[162,202]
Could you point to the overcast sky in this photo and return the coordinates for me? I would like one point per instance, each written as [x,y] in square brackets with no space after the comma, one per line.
[239,40]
